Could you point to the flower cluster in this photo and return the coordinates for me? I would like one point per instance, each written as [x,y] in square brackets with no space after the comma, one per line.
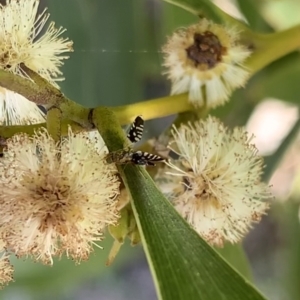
[206,61]
[22,42]
[56,199]
[216,182]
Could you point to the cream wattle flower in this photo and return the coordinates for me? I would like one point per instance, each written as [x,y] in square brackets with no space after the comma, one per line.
[22,40]
[25,39]
[206,61]
[218,187]
[56,198]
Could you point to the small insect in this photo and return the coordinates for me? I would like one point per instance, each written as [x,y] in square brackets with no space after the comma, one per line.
[140,158]
[135,132]
[121,156]
[145,159]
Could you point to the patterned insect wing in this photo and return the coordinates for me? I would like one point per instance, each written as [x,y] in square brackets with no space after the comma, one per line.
[141,158]
[135,132]
[145,158]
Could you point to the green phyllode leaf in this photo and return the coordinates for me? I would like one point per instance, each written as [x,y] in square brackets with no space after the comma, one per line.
[273,160]
[237,258]
[183,265]
[199,7]
[252,10]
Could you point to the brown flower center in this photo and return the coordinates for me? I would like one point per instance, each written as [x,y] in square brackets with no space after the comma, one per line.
[201,191]
[206,51]
[56,196]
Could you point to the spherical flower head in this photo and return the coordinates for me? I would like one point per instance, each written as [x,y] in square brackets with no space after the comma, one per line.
[22,40]
[56,198]
[220,173]
[206,61]
[17,110]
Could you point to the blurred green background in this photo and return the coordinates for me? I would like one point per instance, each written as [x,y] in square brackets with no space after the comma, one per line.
[117,44]
[117,60]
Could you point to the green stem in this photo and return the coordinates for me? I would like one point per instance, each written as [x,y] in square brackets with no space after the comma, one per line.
[270,47]
[8,131]
[150,109]
[109,127]
[53,97]
[54,123]
[75,112]
[42,92]
[24,87]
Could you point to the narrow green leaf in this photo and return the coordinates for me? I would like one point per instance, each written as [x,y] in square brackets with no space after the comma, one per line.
[183,265]
[287,215]
[236,257]
[251,10]
[199,7]
[273,160]
[280,79]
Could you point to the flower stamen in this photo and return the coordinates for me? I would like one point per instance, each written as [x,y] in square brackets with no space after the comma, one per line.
[215,184]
